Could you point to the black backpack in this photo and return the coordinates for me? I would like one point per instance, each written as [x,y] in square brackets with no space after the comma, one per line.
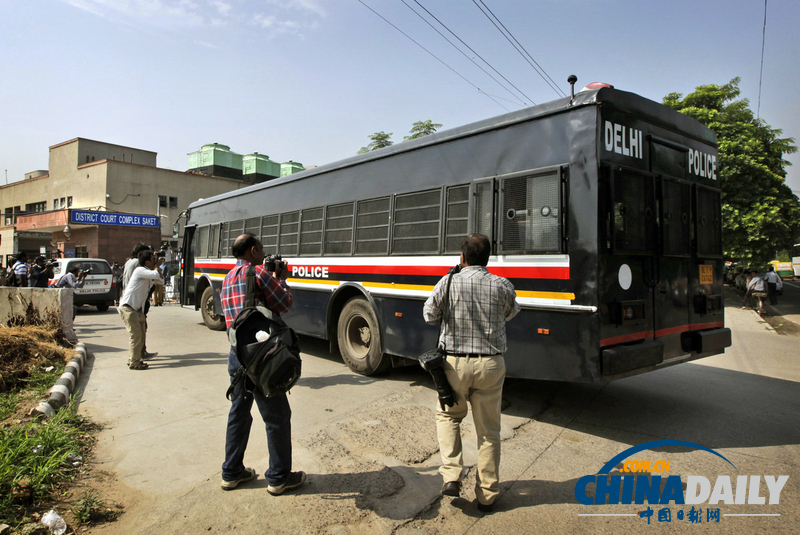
[271,366]
[11,276]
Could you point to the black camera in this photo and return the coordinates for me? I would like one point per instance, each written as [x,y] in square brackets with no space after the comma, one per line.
[272,262]
[161,254]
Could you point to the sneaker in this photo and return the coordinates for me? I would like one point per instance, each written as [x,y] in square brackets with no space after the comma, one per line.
[294,480]
[148,356]
[247,475]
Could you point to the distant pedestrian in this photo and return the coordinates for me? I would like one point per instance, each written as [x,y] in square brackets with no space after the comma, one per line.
[756,288]
[20,269]
[166,248]
[132,305]
[474,336]
[40,273]
[127,273]
[773,280]
[116,278]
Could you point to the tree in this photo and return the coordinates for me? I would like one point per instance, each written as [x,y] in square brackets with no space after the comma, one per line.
[379,141]
[760,214]
[422,128]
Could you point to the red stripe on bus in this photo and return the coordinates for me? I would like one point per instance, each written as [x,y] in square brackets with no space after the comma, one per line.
[530,272]
[661,332]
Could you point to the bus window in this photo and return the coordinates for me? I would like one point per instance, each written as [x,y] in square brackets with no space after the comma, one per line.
[456,218]
[633,216]
[372,226]
[235,230]
[214,241]
[339,229]
[202,241]
[311,232]
[269,233]
[709,228]
[252,225]
[289,233]
[482,216]
[415,226]
[676,204]
[531,213]
[223,239]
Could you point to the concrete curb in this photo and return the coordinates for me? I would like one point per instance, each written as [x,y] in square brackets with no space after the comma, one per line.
[65,385]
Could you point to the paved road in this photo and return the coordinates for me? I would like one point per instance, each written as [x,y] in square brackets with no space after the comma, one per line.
[369,445]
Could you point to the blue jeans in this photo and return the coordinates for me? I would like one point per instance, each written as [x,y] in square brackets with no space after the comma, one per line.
[277,416]
[166,267]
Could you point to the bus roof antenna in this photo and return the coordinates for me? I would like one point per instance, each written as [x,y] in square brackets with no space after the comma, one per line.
[571,80]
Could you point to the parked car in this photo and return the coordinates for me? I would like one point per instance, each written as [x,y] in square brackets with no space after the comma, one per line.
[98,289]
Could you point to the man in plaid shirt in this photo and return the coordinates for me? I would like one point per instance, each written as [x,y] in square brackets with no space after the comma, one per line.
[474,337]
[273,292]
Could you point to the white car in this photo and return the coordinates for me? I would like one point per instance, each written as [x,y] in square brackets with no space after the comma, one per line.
[98,288]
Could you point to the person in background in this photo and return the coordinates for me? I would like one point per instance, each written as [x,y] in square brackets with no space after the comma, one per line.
[20,269]
[132,304]
[756,287]
[772,279]
[2,274]
[166,248]
[74,278]
[41,273]
[116,277]
[474,336]
[127,273]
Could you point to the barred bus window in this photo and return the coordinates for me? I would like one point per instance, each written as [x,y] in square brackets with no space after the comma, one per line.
[339,229]
[709,225]
[415,227]
[269,233]
[372,226]
[634,213]
[456,218]
[531,213]
[236,229]
[202,242]
[289,233]
[214,241]
[224,251]
[252,226]
[311,232]
[676,206]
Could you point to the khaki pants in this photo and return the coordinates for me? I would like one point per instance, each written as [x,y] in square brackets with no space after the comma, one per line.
[478,380]
[134,321]
[158,294]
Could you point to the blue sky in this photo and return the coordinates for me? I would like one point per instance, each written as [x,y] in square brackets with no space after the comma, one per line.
[310,80]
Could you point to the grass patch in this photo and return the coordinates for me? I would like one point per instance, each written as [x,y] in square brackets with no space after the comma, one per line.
[35,460]
[91,509]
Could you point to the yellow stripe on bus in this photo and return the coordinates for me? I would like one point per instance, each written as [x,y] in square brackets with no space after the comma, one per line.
[425,288]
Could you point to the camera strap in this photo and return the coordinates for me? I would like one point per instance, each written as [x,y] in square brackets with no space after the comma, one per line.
[445,308]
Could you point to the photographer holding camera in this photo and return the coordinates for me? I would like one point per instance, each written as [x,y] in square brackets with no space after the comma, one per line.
[74,278]
[40,273]
[272,292]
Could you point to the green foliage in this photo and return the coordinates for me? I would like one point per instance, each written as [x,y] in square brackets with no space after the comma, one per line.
[379,141]
[91,508]
[35,457]
[422,128]
[760,213]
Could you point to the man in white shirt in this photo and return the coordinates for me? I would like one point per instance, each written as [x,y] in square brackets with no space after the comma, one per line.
[132,304]
[773,280]
[757,288]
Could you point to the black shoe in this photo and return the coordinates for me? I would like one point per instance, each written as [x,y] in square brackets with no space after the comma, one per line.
[485,508]
[451,488]
[294,480]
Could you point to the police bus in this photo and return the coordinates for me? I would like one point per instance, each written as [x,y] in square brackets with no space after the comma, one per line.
[603,210]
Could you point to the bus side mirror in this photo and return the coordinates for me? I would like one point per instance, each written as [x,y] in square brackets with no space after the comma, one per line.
[176,230]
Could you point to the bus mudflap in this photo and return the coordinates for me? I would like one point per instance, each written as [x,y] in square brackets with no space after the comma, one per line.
[623,359]
[713,340]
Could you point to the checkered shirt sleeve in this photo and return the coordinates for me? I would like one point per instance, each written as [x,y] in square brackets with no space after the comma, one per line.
[275,295]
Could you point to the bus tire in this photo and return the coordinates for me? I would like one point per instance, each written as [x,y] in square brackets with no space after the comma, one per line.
[212,320]
[359,339]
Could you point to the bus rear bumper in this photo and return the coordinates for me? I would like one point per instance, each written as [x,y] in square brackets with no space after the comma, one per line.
[713,340]
[623,359]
